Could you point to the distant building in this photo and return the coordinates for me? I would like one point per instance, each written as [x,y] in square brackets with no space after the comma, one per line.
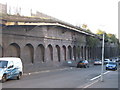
[3,8]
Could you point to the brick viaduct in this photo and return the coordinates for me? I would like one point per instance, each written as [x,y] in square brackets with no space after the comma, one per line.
[45,44]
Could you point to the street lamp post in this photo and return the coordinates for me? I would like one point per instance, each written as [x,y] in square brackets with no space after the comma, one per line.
[102,58]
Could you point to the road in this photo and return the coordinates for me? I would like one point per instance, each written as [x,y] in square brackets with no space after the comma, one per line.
[65,78]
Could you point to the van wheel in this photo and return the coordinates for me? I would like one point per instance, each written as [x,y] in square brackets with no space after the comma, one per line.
[77,66]
[106,68]
[19,76]
[3,78]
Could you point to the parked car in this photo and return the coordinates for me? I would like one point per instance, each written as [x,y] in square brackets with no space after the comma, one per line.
[71,63]
[116,59]
[97,62]
[106,61]
[111,66]
[83,63]
[10,67]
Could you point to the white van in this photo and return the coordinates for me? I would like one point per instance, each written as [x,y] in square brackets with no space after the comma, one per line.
[10,67]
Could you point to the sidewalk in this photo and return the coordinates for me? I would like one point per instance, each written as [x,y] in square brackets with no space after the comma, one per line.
[110,81]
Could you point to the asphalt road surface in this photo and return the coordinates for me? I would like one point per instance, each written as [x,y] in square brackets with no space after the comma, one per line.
[71,77]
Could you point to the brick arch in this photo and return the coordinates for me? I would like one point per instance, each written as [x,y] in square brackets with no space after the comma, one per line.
[13,50]
[29,53]
[74,52]
[1,51]
[58,52]
[69,52]
[40,53]
[78,52]
[85,50]
[88,52]
[82,55]
[64,52]
[50,52]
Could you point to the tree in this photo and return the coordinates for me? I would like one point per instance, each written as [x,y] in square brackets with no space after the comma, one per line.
[100,32]
[112,38]
[92,41]
[84,26]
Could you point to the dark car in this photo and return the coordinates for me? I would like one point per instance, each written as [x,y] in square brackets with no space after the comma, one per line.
[83,63]
[111,66]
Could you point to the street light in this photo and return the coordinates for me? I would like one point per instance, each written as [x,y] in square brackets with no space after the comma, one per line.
[102,58]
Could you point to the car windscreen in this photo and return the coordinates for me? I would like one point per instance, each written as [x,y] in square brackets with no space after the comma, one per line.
[105,60]
[85,61]
[97,60]
[112,63]
[80,61]
[3,64]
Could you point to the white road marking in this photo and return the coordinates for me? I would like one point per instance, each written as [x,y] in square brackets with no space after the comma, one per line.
[90,84]
[98,76]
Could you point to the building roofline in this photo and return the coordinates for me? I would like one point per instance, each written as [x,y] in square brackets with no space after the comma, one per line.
[25,20]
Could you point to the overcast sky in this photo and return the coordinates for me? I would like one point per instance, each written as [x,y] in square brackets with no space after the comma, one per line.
[97,14]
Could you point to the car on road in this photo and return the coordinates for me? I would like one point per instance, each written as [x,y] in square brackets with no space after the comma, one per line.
[71,63]
[116,59]
[111,66]
[97,62]
[83,63]
[106,61]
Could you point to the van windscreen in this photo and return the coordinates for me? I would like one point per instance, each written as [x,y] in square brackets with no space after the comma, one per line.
[3,64]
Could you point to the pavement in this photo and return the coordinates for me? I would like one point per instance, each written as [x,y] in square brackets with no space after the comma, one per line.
[110,80]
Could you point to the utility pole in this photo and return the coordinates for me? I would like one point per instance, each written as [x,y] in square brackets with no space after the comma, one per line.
[102,58]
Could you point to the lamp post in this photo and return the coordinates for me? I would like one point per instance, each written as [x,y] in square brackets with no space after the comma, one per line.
[102,58]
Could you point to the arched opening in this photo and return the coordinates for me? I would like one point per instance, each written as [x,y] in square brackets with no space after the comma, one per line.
[29,53]
[85,52]
[13,50]
[1,51]
[64,53]
[40,53]
[74,52]
[88,53]
[70,52]
[58,52]
[78,52]
[50,52]
[82,52]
